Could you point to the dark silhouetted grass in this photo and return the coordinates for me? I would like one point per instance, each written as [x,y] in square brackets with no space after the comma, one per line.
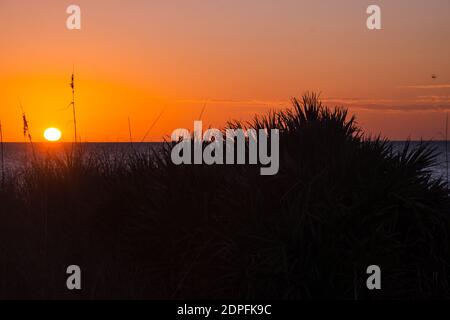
[141,227]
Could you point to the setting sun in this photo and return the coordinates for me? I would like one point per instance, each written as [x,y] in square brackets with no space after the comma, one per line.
[52,134]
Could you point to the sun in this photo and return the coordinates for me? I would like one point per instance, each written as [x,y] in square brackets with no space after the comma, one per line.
[52,134]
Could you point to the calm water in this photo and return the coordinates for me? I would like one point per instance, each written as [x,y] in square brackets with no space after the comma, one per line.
[16,154]
[440,167]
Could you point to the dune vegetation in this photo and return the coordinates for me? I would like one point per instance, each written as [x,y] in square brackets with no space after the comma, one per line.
[142,227]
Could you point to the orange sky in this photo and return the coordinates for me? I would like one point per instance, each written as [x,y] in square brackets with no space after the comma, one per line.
[134,58]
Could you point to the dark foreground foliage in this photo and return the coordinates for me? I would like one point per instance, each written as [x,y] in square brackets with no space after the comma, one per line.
[141,227]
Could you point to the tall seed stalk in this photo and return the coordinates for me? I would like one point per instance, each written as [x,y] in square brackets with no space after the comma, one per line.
[75,138]
[27,133]
[72,86]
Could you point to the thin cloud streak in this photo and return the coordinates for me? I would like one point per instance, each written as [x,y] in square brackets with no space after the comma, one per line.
[432,103]
[427,86]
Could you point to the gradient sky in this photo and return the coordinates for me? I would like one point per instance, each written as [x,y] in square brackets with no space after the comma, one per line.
[134,58]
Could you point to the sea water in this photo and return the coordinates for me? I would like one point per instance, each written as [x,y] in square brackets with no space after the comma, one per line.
[17,154]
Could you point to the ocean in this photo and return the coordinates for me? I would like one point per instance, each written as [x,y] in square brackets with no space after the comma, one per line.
[17,154]
[440,168]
